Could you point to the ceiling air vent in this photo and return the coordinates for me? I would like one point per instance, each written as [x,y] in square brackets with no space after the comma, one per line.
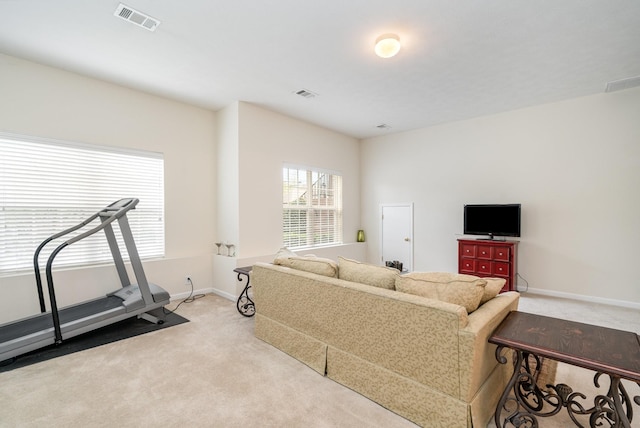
[141,19]
[619,85]
[306,94]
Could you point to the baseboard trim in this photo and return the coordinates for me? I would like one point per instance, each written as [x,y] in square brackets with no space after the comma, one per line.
[224,294]
[581,297]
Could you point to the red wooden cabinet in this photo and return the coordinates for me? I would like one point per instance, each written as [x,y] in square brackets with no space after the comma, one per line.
[489,258]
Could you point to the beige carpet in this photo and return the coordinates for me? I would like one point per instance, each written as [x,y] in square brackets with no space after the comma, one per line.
[210,372]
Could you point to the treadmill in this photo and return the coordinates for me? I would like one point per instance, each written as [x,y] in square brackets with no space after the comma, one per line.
[142,300]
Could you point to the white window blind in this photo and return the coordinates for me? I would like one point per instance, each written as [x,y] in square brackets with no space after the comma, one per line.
[312,207]
[48,186]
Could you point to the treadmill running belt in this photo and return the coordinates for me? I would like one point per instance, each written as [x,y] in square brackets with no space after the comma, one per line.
[45,321]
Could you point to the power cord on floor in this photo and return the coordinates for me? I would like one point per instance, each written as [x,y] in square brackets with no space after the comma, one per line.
[525,281]
[190,298]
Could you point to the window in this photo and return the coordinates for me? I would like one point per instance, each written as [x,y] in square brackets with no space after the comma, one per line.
[48,186]
[312,207]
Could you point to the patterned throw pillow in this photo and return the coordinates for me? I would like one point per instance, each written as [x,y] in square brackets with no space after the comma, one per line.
[491,290]
[307,263]
[282,254]
[463,290]
[364,273]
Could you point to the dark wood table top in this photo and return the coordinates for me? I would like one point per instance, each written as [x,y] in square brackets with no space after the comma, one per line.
[244,269]
[601,349]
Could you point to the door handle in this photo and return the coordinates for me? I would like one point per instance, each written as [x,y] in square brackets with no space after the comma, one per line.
[407,239]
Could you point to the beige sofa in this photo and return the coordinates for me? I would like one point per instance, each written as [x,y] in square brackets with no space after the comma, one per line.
[424,359]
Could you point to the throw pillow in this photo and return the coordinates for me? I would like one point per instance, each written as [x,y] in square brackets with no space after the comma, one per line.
[364,273]
[307,263]
[491,290]
[457,289]
[282,254]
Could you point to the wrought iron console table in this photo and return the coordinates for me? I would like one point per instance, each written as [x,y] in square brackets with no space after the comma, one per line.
[606,351]
[244,304]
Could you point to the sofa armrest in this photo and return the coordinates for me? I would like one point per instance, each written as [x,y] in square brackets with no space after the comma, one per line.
[477,355]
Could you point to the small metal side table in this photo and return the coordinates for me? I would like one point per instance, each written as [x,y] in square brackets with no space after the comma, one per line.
[245,305]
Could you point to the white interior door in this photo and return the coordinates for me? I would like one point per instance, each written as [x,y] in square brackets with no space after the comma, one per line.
[397,234]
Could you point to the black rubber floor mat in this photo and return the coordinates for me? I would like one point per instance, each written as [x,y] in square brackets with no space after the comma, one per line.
[112,333]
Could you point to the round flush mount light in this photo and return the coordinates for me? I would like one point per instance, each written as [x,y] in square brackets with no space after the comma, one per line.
[387,45]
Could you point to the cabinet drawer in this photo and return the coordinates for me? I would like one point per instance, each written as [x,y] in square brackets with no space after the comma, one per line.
[501,254]
[467,266]
[501,269]
[468,250]
[484,252]
[484,267]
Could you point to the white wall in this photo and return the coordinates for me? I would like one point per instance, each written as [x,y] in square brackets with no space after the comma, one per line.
[227,188]
[227,192]
[265,141]
[47,102]
[574,166]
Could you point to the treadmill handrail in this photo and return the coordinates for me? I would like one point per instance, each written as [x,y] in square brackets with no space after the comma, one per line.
[105,221]
[114,211]
[119,209]
[36,255]
[52,294]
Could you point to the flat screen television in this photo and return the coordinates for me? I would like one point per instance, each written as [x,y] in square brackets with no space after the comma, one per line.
[492,220]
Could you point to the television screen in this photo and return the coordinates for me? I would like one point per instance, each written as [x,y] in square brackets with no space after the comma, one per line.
[492,220]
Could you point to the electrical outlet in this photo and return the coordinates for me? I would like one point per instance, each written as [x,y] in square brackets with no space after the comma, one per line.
[187,280]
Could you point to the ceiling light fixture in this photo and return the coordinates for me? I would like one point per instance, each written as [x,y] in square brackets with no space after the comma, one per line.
[387,45]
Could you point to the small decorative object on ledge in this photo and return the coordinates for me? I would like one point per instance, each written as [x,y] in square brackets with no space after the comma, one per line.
[230,250]
[360,235]
[226,249]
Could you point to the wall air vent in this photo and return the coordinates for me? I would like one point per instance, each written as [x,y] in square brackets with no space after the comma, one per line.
[619,85]
[306,94]
[141,19]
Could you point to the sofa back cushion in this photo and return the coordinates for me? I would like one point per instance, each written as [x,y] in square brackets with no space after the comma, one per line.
[364,273]
[307,263]
[463,290]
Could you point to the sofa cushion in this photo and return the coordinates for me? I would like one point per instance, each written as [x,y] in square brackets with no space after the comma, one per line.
[463,290]
[308,263]
[364,273]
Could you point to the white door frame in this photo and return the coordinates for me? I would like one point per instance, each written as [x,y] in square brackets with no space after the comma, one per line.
[410,206]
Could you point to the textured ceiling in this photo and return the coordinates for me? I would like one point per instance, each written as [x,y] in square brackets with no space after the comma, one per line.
[460,59]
